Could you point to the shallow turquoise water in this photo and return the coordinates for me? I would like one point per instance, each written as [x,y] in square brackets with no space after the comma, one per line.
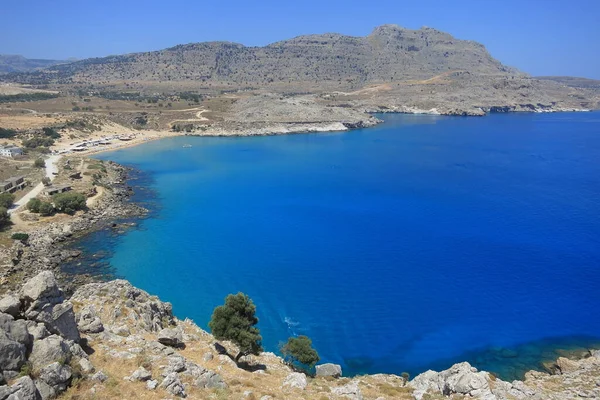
[412,245]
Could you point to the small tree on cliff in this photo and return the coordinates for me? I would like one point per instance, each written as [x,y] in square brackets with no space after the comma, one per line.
[299,350]
[236,321]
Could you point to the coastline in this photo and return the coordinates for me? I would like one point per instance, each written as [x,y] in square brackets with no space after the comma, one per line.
[62,233]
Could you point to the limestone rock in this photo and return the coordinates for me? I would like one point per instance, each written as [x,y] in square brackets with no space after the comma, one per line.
[141,374]
[57,376]
[173,385]
[333,370]
[58,318]
[12,353]
[49,350]
[170,337]
[565,365]
[15,330]
[210,380]
[207,356]
[37,330]
[23,389]
[86,366]
[10,305]
[350,391]
[99,376]
[295,380]
[43,286]
[151,384]
[459,379]
[88,321]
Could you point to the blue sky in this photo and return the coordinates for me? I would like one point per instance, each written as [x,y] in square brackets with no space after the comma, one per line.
[550,37]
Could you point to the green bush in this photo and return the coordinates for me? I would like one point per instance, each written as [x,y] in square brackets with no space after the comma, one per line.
[4,217]
[69,202]
[7,133]
[20,236]
[236,321]
[39,163]
[299,350]
[6,200]
[33,205]
[46,209]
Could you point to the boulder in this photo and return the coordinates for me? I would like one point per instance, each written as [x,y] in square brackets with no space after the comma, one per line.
[88,321]
[15,330]
[333,370]
[460,379]
[565,365]
[151,384]
[57,376]
[23,389]
[210,380]
[173,385]
[176,364]
[10,305]
[295,380]
[86,366]
[58,319]
[43,286]
[350,391]
[141,374]
[12,354]
[49,350]
[37,330]
[170,337]
[100,377]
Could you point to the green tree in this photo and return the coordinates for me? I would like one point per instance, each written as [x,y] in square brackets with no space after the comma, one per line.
[6,200]
[39,163]
[46,181]
[20,236]
[4,217]
[46,209]
[33,205]
[69,202]
[236,321]
[299,350]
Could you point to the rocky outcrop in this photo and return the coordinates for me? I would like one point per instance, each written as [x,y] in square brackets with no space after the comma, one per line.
[54,360]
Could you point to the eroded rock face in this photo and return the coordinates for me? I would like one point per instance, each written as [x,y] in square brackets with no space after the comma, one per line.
[10,305]
[173,385]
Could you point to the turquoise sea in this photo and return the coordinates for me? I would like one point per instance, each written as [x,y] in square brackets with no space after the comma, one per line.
[418,243]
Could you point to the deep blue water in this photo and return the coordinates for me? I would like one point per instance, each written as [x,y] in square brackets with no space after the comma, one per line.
[412,245]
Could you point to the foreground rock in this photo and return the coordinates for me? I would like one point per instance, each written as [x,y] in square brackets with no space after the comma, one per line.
[333,370]
[120,365]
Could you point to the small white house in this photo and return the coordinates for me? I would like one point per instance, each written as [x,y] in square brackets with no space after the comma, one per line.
[10,151]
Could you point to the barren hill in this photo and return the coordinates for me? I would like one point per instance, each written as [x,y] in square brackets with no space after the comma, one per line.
[15,63]
[389,53]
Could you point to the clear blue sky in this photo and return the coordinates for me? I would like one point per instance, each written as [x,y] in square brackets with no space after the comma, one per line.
[542,37]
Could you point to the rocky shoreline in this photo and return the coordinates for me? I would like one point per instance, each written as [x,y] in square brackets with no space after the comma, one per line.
[47,247]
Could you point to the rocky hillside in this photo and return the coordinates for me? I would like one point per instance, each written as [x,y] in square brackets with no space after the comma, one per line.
[114,341]
[10,63]
[389,53]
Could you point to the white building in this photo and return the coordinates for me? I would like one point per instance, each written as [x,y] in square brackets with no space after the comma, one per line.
[10,151]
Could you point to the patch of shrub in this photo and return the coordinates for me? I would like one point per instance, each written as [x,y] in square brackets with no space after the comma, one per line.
[6,200]
[7,133]
[39,163]
[69,202]
[20,236]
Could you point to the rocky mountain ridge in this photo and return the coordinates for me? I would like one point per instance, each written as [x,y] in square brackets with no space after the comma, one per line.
[389,53]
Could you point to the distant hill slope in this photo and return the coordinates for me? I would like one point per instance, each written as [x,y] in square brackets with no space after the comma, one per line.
[573,81]
[390,53]
[15,63]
